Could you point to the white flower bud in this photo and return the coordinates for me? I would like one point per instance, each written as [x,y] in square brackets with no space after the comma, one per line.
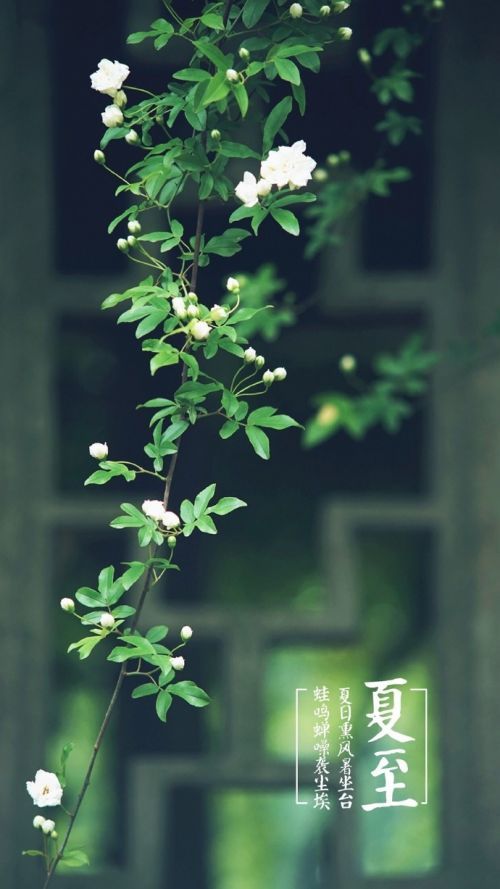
[364,56]
[132,137]
[250,355]
[341,6]
[199,330]
[171,541]
[112,116]
[218,313]
[193,311]
[215,134]
[344,33]
[233,285]
[186,633]
[179,307]
[263,188]
[120,99]
[67,604]
[268,377]
[296,10]
[99,156]
[325,10]
[134,227]
[347,364]
[333,160]
[232,75]
[122,244]
[178,663]
[107,621]
[54,835]
[243,53]
[98,450]
[131,240]
[48,826]
[279,374]
[320,175]
[170,520]
[192,296]
[154,509]
[260,361]
[38,820]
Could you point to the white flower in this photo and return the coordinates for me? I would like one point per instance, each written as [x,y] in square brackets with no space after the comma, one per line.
[98,450]
[199,330]
[345,33]
[109,77]
[233,285]
[279,373]
[170,520]
[193,311]
[122,244]
[112,116]
[154,509]
[45,790]
[177,663]
[260,361]
[218,313]
[296,10]
[288,165]
[250,355]
[48,825]
[179,307]
[186,633]
[246,190]
[132,137]
[38,820]
[67,604]
[325,10]
[134,227]
[263,188]
[107,621]
[232,75]
[268,377]
[99,156]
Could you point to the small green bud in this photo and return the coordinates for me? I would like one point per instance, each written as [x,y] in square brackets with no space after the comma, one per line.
[320,174]
[172,541]
[134,227]
[99,156]
[333,160]
[215,134]
[325,10]
[438,4]
[54,835]
[260,361]
[192,297]
[340,7]
[344,157]
[268,377]
[344,33]
[122,245]
[131,240]
[244,53]
[232,75]
[364,57]
[348,364]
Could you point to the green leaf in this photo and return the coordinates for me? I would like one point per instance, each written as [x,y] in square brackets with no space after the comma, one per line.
[192,74]
[213,54]
[142,691]
[190,693]
[286,219]
[156,634]
[216,89]
[206,525]
[236,149]
[163,703]
[253,11]
[33,852]
[85,646]
[259,441]
[75,858]
[227,505]
[166,356]
[261,417]
[89,597]
[213,20]
[228,429]
[203,499]
[275,122]
[287,70]
[241,96]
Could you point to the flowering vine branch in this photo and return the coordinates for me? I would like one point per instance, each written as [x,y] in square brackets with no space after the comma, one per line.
[190,135]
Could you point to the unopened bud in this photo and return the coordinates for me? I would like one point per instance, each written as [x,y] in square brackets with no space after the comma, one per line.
[344,33]
[192,296]
[99,156]
[178,663]
[263,188]
[232,75]
[171,541]
[268,377]
[296,10]
[122,244]
[347,364]
[38,821]
[215,134]
[54,834]
[250,355]
[325,10]
[131,240]
[193,311]
[218,313]
[132,137]
[333,160]
[243,53]
[320,174]
[364,57]
[107,621]
[186,633]
[48,825]
[67,604]
[120,98]
[134,227]
[233,285]
[344,157]
[340,7]
[260,361]
[279,374]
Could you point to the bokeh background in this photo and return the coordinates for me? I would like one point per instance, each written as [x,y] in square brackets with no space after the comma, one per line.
[356,560]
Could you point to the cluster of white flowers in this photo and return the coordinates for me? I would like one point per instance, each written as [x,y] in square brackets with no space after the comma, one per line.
[46,825]
[286,166]
[154,509]
[45,790]
[108,80]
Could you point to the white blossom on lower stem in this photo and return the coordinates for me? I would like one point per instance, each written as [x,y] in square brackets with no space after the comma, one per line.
[109,77]
[98,450]
[112,116]
[246,190]
[288,165]
[154,509]
[178,663]
[170,519]
[45,790]
[199,330]
[218,313]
